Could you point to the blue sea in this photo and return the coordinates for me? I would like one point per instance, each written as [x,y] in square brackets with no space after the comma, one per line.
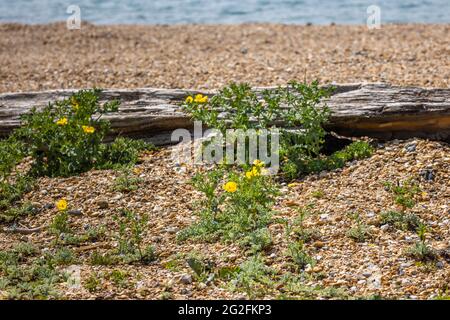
[226,11]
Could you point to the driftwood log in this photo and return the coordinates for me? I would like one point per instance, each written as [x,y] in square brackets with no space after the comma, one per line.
[376,110]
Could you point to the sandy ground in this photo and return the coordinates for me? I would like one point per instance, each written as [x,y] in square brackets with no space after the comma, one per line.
[38,57]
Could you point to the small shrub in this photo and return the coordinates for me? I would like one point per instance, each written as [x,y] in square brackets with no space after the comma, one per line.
[253,277]
[131,236]
[126,182]
[299,256]
[402,221]
[122,152]
[404,193]
[420,250]
[65,137]
[236,207]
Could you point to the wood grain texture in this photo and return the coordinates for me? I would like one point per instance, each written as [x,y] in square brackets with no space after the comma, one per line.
[374,109]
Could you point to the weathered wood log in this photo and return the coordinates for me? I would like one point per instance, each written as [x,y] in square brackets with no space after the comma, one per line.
[376,110]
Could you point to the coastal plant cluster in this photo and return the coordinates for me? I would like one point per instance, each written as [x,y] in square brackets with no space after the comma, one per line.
[66,138]
[63,139]
[237,203]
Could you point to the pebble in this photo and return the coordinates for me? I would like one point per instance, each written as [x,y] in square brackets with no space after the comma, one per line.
[411,147]
[186,279]
[102,204]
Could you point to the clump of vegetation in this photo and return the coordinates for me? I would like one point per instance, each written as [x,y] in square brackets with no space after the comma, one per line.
[122,152]
[359,232]
[127,181]
[236,207]
[421,251]
[297,105]
[63,139]
[25,274]
[93,282]
[130,238]
[252,277]
[297,229]
[402,221]
[297,253]
[404,193]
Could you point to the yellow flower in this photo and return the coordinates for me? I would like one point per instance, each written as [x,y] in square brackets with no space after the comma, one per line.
[189,99]
[62,122]
[200,98]
[293,184]
[249,174]
[258,163]
[62,205]
[255,171]
[88,130]
[137,171]
[74,103]
[230,186]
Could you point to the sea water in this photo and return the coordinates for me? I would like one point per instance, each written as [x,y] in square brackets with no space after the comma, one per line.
[226,11]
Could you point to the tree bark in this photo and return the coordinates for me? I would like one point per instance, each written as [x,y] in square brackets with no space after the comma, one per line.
[376,110]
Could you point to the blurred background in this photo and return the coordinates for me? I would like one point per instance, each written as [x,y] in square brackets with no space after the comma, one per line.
[225,11]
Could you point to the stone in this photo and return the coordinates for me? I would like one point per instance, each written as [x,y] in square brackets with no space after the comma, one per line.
[186,279]
[102,204]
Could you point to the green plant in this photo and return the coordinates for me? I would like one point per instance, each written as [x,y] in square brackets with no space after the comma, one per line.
[297,229]
[11,192]
[126,182]
[106,259]
[122,152]
[119,278]
[359,232]
[297,253]
[404,193]
[420,250]
[253,277]
[401,220]
[25,274]
[65,137]
[14,213]
[318,194]
[93,282]
[60,224]
[63,256]
[130,238]
[236,207]
[12,151]
[201,267]
[295,166]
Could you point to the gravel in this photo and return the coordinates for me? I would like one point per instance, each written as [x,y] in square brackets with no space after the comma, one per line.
[38,57]
[377,266]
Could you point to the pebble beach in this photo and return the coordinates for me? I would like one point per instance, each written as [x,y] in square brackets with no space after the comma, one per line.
[42,57]
[48,57]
